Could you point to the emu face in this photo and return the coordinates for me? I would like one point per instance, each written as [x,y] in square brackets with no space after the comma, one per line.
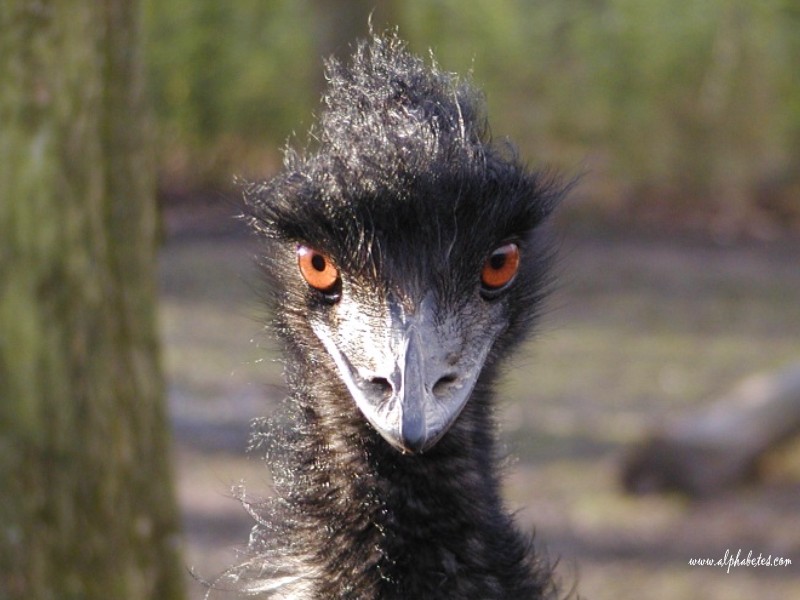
[410,331]
[404,254]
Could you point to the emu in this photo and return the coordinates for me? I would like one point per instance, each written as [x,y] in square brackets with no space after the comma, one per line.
[405,257]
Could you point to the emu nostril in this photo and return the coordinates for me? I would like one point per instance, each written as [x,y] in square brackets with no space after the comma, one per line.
[381,385]
[444,385]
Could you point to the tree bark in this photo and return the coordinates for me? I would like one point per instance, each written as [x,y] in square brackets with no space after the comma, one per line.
[720,446]
[86,499]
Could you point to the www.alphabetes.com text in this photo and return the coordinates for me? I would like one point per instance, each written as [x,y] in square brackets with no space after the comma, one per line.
[730,561]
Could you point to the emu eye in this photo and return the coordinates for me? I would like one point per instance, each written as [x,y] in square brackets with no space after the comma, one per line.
[317,269]
[501,267]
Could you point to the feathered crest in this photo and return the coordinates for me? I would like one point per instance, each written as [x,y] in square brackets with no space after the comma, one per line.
[388,108]
[397,133]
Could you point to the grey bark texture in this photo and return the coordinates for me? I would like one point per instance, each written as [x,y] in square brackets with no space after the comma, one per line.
[86,498]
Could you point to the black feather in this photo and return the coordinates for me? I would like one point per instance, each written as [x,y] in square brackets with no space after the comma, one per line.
[407,193]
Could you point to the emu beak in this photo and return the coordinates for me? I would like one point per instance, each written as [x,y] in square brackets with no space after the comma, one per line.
[417,386]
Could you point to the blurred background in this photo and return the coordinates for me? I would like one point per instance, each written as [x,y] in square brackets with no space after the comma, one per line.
[683,113]
[679,272]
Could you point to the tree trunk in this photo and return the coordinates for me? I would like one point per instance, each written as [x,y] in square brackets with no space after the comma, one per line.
[721,445]
[86,499]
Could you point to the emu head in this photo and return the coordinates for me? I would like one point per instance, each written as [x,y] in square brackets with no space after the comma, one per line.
[404,252]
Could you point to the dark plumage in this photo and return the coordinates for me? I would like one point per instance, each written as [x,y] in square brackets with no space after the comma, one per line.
[385,469]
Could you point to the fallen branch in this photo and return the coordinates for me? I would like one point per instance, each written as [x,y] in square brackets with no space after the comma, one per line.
[721,445]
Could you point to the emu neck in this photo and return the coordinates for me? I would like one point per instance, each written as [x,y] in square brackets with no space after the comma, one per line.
[370,522]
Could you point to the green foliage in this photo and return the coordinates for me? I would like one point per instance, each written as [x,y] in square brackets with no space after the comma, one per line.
[694,104]
[227,77]
[219,68]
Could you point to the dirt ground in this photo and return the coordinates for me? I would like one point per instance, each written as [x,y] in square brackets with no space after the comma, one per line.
[640,329]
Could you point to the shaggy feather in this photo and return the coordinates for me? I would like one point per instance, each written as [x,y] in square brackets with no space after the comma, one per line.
[408,194]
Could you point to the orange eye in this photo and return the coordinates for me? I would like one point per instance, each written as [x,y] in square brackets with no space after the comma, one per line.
[501,267]
[317,269]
